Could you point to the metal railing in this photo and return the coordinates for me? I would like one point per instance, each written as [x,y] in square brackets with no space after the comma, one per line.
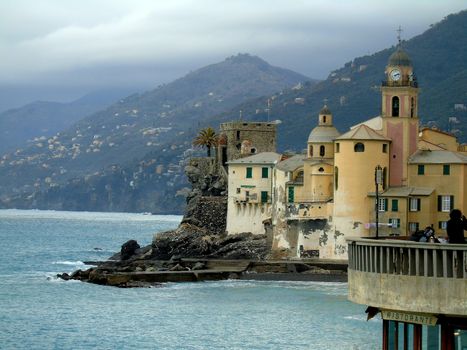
[408,258]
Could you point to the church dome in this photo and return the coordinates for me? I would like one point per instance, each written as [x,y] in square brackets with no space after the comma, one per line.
[399,58]
[324,134]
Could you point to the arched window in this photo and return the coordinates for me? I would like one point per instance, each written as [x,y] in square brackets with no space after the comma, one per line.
[336,178]
[321,151]
[324,119]
[412,107]
[395,106]
[359,147]
[310,149]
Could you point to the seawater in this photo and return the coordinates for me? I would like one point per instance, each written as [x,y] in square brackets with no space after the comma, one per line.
[38,311]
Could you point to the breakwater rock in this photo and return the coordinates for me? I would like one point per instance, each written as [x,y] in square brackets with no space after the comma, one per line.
[161,261]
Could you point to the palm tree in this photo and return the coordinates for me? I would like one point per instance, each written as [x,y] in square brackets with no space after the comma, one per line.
[207,137]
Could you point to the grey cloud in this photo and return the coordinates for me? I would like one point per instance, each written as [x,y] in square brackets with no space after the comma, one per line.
[79,42]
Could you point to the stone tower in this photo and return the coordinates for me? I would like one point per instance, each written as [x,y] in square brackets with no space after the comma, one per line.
[241,139]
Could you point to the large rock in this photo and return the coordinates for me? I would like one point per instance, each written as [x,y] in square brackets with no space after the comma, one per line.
[128,249]
[189,241]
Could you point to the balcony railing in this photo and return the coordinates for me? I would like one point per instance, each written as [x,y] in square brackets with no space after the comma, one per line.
[408,258]
[404,275]
[402,83]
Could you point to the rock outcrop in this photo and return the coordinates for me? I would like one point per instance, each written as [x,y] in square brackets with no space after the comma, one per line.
[189,241]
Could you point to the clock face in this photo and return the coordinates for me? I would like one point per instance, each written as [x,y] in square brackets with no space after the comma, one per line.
[395,74]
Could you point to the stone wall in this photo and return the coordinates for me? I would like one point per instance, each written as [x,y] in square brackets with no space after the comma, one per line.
[242,139]
[209,213]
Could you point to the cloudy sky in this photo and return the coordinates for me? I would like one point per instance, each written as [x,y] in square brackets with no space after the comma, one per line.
[59,50]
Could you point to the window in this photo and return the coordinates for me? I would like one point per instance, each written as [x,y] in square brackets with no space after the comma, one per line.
[291,194]
[395,205]
[446,169]
[382,204]
[324,119]
[412,107]
[311,151]
[264,196]
[238,134]
[415,204]
[395,106]
[253,150]
[264,173]
[394,222]
[337,147]
[385,178]
[443,225]
[421,169]
[321,151]
[413,226]
[445,203]
[249,173]
[238,190]
[321,170]
[385,148]
[336,178]
[359,147]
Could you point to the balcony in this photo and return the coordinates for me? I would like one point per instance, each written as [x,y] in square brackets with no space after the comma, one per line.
[408,276]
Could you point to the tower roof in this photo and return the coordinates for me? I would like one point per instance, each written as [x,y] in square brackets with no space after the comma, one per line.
[399,58]
[325,110]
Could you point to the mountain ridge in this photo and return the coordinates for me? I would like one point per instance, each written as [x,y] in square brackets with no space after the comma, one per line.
[153,122]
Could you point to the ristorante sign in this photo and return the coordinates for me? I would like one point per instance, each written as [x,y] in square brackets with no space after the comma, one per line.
[409,317]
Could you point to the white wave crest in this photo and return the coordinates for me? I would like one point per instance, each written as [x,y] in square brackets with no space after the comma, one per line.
[72,263]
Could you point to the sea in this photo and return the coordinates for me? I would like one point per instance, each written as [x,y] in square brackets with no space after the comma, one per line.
[39,311]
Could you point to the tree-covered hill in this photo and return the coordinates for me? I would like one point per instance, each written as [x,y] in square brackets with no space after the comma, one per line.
[44,118]
[159,123]
[439,57]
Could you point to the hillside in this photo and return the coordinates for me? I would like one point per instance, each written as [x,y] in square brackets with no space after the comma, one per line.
[130,157]
[99,163]
[43,118]
[439,57]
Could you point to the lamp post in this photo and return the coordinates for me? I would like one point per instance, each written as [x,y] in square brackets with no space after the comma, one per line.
[378,181]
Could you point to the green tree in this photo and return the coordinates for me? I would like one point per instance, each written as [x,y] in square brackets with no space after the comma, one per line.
[207,137]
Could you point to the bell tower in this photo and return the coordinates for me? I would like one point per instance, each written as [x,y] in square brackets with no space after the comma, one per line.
[399,111]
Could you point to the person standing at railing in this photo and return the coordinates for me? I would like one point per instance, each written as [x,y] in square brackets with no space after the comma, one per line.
[456,226]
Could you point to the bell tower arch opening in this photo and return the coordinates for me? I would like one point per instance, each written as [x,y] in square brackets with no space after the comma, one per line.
[395,106]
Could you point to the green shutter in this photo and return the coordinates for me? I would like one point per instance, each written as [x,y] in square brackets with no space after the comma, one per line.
[439,203]
[265,173]
[291,194]
[451,203]
[385,204]
[395,205]
[446,169]
[249,173]
[264,196]
[421,169]
[419,204]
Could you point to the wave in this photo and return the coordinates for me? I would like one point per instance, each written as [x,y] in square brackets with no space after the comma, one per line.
[85,215]
[72,263]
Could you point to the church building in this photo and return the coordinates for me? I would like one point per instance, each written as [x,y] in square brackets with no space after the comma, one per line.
[382,177]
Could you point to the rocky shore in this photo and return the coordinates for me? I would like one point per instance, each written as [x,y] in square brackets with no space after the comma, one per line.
[190,254]
[199,249]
